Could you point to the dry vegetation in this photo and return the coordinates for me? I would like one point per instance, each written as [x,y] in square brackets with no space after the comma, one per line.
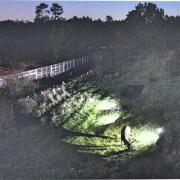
[73,130]
[70,131]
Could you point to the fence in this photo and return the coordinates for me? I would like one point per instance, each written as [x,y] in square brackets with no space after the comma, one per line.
[47,71]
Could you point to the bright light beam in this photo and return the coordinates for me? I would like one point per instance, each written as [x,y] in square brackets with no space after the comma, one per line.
[147,136]
[107,104]
[160,130]
[107,119]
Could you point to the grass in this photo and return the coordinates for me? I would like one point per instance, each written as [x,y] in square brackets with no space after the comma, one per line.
[82,122]
[80,138]
[94,116]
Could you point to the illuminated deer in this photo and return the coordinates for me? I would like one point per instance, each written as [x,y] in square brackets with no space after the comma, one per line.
[125,133]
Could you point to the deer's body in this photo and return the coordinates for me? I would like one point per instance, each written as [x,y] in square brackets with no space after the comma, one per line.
[125,132]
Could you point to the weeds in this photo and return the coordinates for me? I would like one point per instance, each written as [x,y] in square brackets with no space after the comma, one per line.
[94,118]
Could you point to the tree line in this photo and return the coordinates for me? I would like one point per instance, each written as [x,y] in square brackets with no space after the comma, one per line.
[52,38]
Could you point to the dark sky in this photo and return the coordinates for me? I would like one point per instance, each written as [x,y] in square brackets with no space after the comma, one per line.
[24,10]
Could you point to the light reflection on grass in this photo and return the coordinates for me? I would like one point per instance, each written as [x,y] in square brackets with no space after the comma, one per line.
[109,146]
[107,104]
[108,119]
[96,122]
[145,136]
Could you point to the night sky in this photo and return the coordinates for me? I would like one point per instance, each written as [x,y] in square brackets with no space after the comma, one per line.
[25,10]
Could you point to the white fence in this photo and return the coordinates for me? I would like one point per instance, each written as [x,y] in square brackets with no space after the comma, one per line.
[47,71]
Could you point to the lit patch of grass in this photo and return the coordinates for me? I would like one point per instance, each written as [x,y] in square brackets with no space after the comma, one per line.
[108,119]
[107,104]
[113,131]
[109,146]
[95,145]
[96,121]
[145,136]
[83,120]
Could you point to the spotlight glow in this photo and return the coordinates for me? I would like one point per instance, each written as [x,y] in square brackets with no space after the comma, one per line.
[160,130]
[107,104]
[107,119]
[146,136]
[91,100]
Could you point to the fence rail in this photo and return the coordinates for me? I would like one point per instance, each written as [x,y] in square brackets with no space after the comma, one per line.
[47,71]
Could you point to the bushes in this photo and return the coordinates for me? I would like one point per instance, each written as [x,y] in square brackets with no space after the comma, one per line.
[10,105]
[7,113]
[17,88]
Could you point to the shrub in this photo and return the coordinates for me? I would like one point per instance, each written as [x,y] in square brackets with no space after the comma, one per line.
[17,88]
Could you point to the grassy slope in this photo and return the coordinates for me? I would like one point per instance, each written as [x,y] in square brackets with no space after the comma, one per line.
[79,149]
[158,72]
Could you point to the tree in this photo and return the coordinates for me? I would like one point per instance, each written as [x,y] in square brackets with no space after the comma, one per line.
[109,19]
[57,11]
[42,13]
[152,13]
[145,14]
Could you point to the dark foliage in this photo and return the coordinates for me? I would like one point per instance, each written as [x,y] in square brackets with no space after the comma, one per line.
[53,39]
